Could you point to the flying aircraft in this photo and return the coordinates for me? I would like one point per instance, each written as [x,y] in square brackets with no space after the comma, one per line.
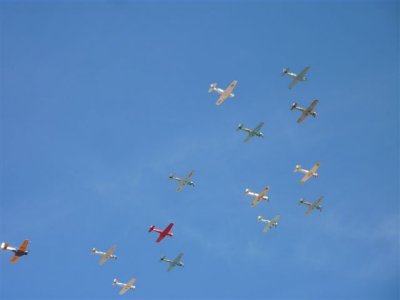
[307,173]
[105,255]
[17,252]
[125,286]
[184,181]
[224,94]
[296,77]
[305,111]
[163,233]
[269,223]
[312,205]
[258,197]
[252,132]
[173,263]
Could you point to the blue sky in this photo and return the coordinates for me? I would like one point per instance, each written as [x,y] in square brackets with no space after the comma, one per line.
[101,101]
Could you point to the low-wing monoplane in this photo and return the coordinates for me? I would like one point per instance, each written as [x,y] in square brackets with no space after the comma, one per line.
[251,132]
[308,173]
[312,205]
[296,77]
[269,223]
[17,252]
[125,286]
[163,233]
[173,262]
[182,182]
[105,255]
[225,94]
[258,197]
[305,111]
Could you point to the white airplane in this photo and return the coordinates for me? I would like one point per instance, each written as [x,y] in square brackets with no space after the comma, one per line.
[305,111]
[258,197]
[17,252]
[251,132]
[173,263]
[125,286]
[307,173]
[312,205]
[269,223]
[225,94]
[105,255]
[296,77]
[184,181]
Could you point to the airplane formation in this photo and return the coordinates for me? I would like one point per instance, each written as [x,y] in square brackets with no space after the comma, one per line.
[187,180]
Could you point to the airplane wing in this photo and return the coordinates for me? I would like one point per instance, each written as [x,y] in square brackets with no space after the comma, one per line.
[161,237]
[256,200]
[260,195]
[189,176]
[178,258]
[107,255]
[127,286]
[14,258]
[310,209]
[24,246]
[293,83]
[306,177]
[181,185]
[168,229]
[267,227]
[249,137]
[257,129]
[302,117]
[275,219]
[226,93]
[316,166]
[165,232]
[318,201]
[303,72]
[311,107]
[175,262]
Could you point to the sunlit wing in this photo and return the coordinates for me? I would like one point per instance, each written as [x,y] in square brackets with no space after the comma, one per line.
[226,93]
[127,286]
[168,229]
[260,196]
[14,258]
[293,83]
[311,107]
[257,129]
[255,201]
[302,117]
[316,166]
[160,238]
[303,72]
[267,227]
[306,177]
[178,258]
[181,185]
[24,246]
[107,255]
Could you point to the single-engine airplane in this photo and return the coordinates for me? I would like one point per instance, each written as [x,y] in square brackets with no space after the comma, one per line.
[105,255]
[224,94]
[307,173]
[182,182]
[252,132]
[312,205]
[258,197]
[17,252]
[305,111]
[163,233]
[296,77]
[269,223]
[125,286]
[173,263]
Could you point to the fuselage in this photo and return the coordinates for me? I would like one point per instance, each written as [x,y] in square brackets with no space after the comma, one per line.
[221,91]
[16,251]
[295,76]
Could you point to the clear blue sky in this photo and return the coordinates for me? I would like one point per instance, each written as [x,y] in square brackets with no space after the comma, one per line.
[101,101]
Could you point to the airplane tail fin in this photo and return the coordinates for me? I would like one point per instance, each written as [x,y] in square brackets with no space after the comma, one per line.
[162,258]
[301,201]
[259,218]
[171,176]
[284,71]
[4,246]
[114,281]
[294,105]
[213,86]
[151,228]
[246,191]
[297,168]
[240,126]
[94,250]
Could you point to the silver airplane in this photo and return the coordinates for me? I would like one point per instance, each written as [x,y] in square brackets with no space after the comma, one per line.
[182,182]
[125,286]
[251,132]
[105,255]
[312,205]
[305,111]
[269,223]
[173,263]
[296,77]
[308,173]
[225,94]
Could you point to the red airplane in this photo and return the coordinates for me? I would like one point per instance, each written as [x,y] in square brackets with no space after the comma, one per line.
[163,233]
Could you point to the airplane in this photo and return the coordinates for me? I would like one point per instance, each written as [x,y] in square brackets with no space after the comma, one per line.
[251,132]
[173,263]
[184,181]
[125,286]
[163,233]
[306,111]
[312,205]
[258,197]
[296,77]
[269,223]
[17,252]
[307,173]
[224,94]
[105,255]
